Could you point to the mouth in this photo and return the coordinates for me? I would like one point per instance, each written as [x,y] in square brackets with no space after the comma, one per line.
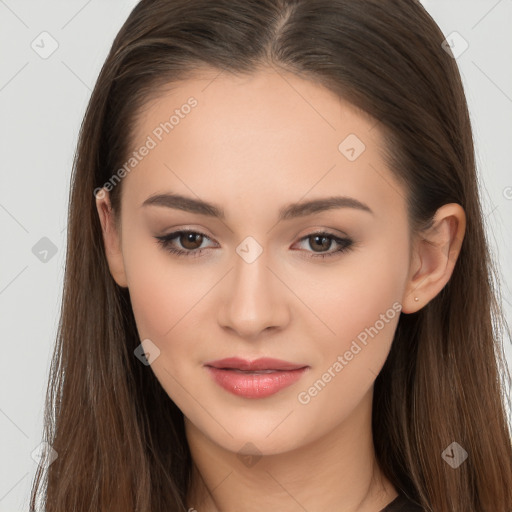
[253,372]
[264,364]
[255,379]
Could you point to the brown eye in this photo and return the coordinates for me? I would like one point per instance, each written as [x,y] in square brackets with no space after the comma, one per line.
[321,245]
[184,243]
[320,242]
[191,240]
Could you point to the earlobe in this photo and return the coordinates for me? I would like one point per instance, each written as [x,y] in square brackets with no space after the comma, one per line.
[111,238]
[435,253]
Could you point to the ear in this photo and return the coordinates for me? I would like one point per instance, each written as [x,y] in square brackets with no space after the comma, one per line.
[435,252]
[111,237]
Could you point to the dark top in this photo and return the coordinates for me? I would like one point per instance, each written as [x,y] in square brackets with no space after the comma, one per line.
[402,504]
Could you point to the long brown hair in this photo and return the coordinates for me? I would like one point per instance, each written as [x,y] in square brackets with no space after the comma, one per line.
[119,437]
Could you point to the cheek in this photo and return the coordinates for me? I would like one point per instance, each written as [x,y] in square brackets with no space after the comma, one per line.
[359,306]
[162,292]
[354,294]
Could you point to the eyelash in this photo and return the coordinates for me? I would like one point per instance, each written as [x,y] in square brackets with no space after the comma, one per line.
[166,240]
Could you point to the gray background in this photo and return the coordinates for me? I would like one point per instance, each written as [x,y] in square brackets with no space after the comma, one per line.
[42,102]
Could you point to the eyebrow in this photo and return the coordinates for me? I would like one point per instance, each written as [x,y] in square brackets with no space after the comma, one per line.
[290,211]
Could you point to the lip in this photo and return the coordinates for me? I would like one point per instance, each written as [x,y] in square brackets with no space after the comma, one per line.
[263,363]
[237,375]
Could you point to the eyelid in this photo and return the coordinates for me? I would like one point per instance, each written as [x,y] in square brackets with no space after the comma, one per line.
[337,233]
[345,243]
[176,234]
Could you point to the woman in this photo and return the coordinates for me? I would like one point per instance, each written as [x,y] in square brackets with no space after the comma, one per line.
[278,289]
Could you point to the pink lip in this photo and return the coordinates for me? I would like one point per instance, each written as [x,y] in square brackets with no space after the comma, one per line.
[237,375]
[264,363]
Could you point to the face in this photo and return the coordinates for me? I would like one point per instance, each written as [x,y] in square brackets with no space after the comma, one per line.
[318,286]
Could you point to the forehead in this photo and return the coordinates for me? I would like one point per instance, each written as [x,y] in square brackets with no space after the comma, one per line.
[269,133]
[267,104]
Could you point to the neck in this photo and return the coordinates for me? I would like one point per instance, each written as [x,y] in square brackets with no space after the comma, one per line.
[338,472]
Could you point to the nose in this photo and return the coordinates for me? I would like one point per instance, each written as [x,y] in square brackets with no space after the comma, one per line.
[254,299]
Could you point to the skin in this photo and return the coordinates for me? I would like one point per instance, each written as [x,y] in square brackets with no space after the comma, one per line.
[252,145]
